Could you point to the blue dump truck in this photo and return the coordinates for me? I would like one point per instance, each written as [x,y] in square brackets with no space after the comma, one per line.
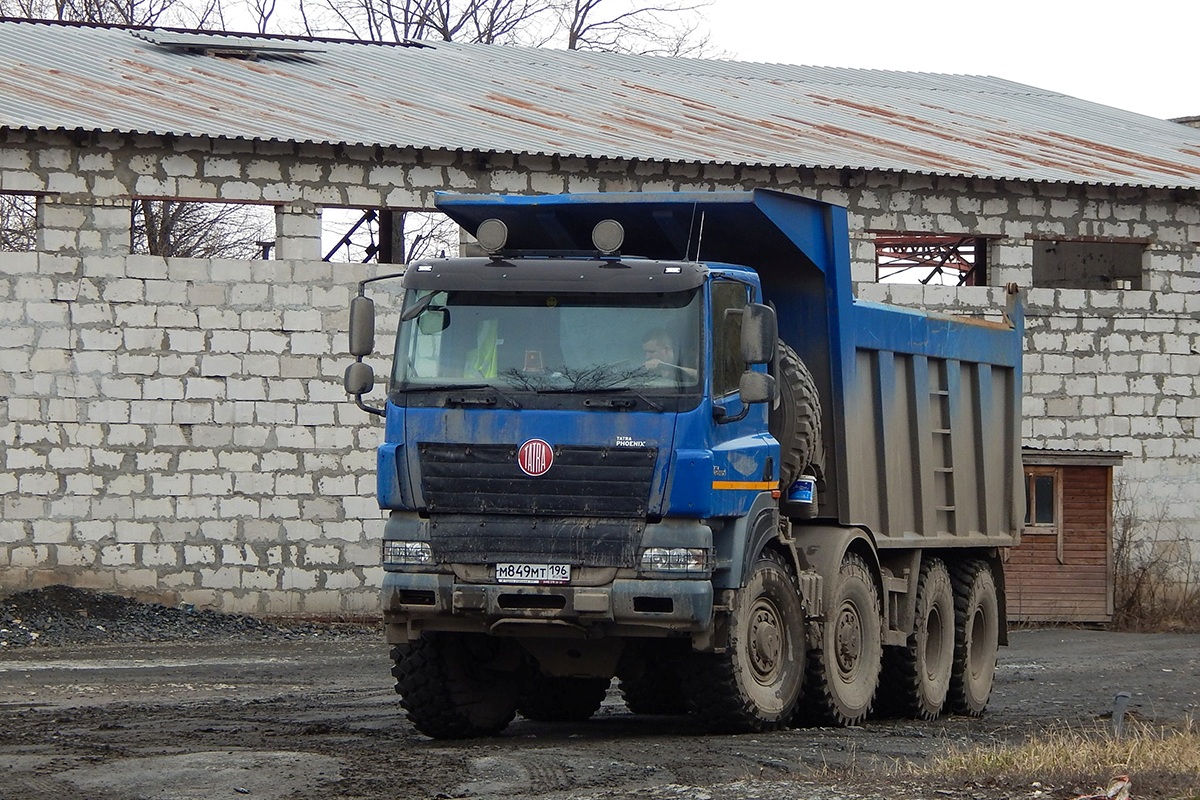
[654,436]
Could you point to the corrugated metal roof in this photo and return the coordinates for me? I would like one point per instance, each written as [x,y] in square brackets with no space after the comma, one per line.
[481,98]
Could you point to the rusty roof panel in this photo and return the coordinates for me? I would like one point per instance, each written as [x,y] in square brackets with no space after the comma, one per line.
[438,95]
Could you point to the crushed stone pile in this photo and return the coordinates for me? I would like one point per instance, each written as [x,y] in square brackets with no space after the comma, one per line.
[62,615]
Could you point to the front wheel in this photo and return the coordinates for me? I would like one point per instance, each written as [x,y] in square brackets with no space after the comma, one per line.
[457,686]
[756,683]
[844,671]
[976,637]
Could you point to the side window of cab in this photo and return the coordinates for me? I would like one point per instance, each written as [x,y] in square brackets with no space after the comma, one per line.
[729,299]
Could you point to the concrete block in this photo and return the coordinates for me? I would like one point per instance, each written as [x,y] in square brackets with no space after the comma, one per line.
[191,413]
[118,555]
[75,556]
[199,554]
[50,531]
[238,507]
[137,579]
[39,483]
[281,603]
[35,556]
[160,555]
[298,438]
[364,602]
[261,579]
[239,555]
[297,579]
[200,598]
[13,531]
[342,580]
[253,483]
[221,578]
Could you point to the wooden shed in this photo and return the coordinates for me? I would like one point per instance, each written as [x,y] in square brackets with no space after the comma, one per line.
[1063,569]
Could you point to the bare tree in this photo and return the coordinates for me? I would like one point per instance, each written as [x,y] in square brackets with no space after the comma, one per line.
[199,230]
[670,27]
[198,14]
[478,21]
[428,235]
[623,26]
[18,223]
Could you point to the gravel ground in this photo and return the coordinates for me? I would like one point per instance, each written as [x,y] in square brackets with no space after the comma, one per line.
[121,700]
[60,615]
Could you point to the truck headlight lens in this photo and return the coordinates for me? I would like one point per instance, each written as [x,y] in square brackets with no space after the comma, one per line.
[407,553]
[690,560]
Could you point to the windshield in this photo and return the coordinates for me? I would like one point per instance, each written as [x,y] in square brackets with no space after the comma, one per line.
[528,341]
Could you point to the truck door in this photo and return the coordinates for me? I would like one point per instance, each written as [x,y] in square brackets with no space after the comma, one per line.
[745,455]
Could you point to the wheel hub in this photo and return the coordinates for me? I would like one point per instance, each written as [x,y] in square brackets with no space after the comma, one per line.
[848,640]
[765,640]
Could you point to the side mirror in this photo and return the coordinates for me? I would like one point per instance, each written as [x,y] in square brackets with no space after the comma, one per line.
[433,320]
[360,378]
[362,327]
[756,387]
[760,333]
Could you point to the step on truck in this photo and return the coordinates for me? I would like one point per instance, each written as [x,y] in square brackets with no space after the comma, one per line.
[654,436]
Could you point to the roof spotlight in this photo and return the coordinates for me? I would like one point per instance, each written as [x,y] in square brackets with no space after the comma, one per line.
[608,236]
[492,235]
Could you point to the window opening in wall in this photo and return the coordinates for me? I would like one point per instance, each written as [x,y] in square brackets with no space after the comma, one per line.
[1087,265]
[18,223]
[184,229]
[389,236]
[1043,504]
[930,259]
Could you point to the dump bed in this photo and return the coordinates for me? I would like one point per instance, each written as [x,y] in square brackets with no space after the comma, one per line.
[921,411]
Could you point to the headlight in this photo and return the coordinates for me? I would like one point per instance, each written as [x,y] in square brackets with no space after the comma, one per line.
[407,553]
[690,560]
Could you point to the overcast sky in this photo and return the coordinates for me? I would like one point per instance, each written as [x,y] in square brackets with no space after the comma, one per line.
[1140,56]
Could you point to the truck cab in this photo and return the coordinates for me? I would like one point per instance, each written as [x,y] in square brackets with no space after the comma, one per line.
[561,433]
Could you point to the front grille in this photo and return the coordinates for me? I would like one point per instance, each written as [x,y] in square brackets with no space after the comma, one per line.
[581,541]
[582,482]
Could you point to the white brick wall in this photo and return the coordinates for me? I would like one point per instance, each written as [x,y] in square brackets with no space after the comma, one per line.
[179,425]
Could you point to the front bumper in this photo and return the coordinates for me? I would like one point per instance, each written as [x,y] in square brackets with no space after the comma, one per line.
[416,602]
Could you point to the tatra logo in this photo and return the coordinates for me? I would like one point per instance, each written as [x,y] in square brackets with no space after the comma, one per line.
[535,458]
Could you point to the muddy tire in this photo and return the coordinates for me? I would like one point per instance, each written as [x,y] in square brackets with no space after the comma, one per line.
[452,687]
[796,421]
[756,683]
[843,672]
[916,678]
[976,637]
[650,679]
[555,699]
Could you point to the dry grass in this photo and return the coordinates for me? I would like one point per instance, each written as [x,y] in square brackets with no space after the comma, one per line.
[1161,762]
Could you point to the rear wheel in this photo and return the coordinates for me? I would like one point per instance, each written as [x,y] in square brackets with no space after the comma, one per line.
[977,637]
[554,699]
[843,672]
[916,678]
[457,686]
[756,683]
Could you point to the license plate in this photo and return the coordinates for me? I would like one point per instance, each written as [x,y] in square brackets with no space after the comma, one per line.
[533,573]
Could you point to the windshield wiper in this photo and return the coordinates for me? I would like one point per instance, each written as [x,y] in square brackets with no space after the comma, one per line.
[463,400]
[602,390]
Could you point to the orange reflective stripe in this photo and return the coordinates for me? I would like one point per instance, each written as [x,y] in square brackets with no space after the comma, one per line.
[754,485]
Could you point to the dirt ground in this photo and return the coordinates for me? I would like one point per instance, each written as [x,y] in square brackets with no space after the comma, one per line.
[308,717]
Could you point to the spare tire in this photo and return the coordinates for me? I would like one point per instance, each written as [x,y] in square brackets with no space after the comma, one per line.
[795,422]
